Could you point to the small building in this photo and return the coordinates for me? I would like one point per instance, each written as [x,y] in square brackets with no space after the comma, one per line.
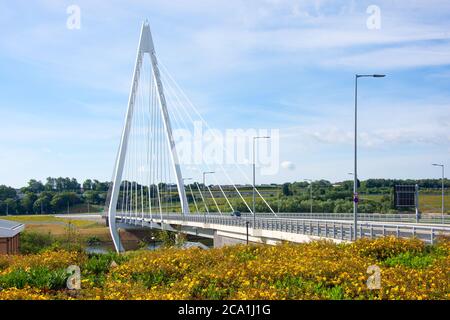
[9,236]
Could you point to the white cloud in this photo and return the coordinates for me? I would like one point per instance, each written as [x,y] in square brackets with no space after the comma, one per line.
[380,127]
[397,58]
[288,165]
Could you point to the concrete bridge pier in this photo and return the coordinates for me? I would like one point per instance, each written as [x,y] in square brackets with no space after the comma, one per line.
[221,240]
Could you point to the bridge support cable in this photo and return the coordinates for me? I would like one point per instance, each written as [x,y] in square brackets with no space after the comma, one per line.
[203,199]
[181,123]
[150,144]
[193,198]
[224,195]
[141,158]
[214,200]
[169,77]
[178,119]
[158,169]
[181,106]
[166,72]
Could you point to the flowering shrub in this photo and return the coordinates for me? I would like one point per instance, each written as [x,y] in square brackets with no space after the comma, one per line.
[316,270]
[387,247]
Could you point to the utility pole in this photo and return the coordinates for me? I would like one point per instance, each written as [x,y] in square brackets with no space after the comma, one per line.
[355,173]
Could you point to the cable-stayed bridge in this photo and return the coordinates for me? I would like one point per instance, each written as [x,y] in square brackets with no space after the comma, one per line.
[155,181]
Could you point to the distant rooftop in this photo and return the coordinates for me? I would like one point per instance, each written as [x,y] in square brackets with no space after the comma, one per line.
[9,229]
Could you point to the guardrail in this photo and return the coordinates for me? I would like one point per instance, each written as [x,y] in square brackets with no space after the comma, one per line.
[396,217]
[341,230]
[383,217]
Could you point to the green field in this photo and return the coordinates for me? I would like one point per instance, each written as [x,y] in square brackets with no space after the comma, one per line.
[428,203]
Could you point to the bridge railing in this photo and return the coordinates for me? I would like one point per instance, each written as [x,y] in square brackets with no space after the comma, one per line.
[384,217]
[341,230]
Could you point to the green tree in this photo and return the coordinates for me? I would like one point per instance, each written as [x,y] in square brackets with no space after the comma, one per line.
[286,190]
[7,192]
[343,206]
[10,206]
[61,201]
[27,202]
[50,185]
[35,186]
[42,204]
[91,196]
[87,184]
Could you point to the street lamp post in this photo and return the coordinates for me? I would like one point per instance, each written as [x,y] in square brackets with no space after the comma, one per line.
[254,185]
[355,173]
[443,174]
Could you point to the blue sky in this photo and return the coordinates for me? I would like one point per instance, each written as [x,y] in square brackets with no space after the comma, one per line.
[287,65]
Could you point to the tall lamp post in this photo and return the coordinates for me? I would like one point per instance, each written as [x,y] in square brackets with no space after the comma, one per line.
[443,173]
[355,173]
[310,194]
[254,185]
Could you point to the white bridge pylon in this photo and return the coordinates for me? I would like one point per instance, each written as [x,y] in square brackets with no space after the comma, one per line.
[147,181]
[156,99]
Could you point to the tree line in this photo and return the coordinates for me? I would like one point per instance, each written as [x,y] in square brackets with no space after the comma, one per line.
[54,196]
[57,195]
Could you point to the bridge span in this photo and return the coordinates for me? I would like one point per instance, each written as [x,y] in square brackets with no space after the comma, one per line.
[231,230]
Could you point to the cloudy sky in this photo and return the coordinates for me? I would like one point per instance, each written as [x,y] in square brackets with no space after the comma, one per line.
[273,64]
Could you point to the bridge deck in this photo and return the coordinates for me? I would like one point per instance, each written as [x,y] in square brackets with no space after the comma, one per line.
[321,228]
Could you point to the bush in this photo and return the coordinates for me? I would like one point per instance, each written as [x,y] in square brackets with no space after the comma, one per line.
[33,242]
[410,260]
[387,247]
[93,241]
[101,263]
[37,277]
